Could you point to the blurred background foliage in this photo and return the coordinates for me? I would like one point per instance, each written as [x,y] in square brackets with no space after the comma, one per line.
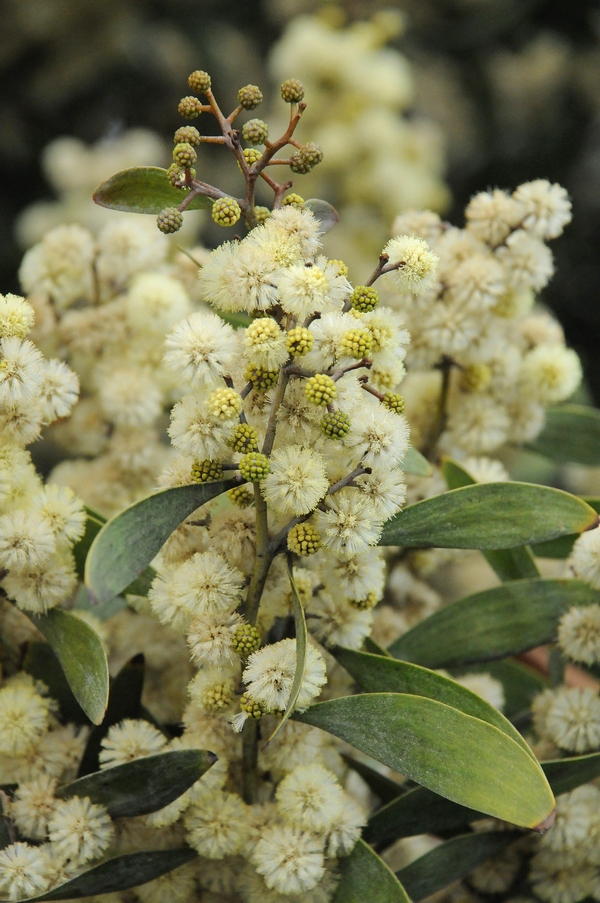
[501,91]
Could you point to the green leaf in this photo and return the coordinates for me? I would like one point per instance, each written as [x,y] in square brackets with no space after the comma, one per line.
[119,874]
[301,640]
[520,683]
[563,546]
[143,785]
[419,811]
[124,701]
[567,774]
[81,655]
[364,876]
[415,463]
[93,524]
[41,662]
[452,860]
[323,211]
[143,189]
[571,434]
[128,543]
[453,754]
[496,622]
[377,674]
[509,564]
[489,516]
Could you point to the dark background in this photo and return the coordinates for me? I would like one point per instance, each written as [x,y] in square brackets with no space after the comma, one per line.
[94,67]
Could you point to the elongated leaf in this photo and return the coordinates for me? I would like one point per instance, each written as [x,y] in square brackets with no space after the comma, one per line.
[366,877]
[562,547]
[453,754]
[143,189]
[41,662]
[324,212]
[377,674]
[452,860]
[81,655]
[489,516]
[415,463]
[129,542]
[143,785]
[571,434]
[371,646]
[119,874]
[93,524]
[125,701]
[509,564]
[567,774]
[494,623]
[301,640]
[419,811]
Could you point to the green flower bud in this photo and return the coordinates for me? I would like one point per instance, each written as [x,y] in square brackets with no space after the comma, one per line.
[342,268]
[292,90]
[169,220]
[254,467]
[294,200]
[184,155]
[356,343]
[320,389]
[189,107]
[199,81]
[206,471]
[249,96]
[335,425]
[255,131]
[261,379]
[299,341]
[364,298]
[393,402]
[241,496]
[226,211]
[245,640]
[252,708]
[176,176]
[187,134]
[244,438]
[304,539]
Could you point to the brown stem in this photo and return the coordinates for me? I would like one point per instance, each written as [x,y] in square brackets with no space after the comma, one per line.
[277,399]
[383,259]
[262,560]
[250,760]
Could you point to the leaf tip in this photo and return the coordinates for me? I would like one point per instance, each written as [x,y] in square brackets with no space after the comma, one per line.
[594,525]
[546,824]
[212,757]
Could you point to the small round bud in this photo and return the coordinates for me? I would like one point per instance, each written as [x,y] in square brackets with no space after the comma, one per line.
[475,378]
[187,134]
[206,471]
[341,267]
[225,404]
[299,341]
[255,131]
[226,211]
[335,425]
[199,81]
[251,155]
[252,708]
[304,539]
[254,467]
[184,155]
[241,496]
[356,343]
[244,438]
[292,90]
[176,176]
[364,298]
[218,697]
[320,389]
[298,164]
[393,402]
[249,96]
[312,153]
[169,220]
[261,214]
[245,640]
[367,603]
[189,107]
[293,200]
[261,378]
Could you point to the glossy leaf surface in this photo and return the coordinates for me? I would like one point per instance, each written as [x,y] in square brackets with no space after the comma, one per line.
[571,434]
[364,876]
[494,623]
[489,516]
[457,756]
[324,212]
[82,658]
[452,860]
[415,463]
[143,189]
[119,874]
[143,785]
[127,544]
[377,674]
